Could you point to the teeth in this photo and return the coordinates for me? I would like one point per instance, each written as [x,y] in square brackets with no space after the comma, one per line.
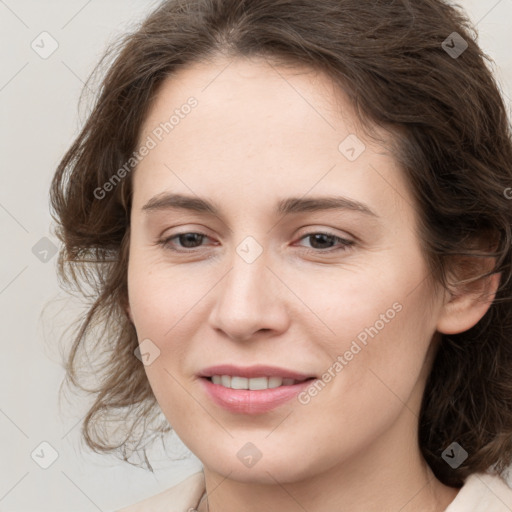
[239,383]
[274,382]
[254,383]
[257,383]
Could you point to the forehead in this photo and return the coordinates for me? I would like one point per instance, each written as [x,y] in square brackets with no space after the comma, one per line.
[254,127]
[251,93]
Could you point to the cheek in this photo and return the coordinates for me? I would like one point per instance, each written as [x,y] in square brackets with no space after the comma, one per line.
[375,369]
[161,297]
[363,304]
[166,303]
[380,329]
[160,305]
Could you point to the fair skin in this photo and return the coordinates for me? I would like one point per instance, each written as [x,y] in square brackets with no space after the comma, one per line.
[261,134]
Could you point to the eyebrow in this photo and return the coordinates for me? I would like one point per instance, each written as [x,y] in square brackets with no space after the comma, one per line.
[167,201]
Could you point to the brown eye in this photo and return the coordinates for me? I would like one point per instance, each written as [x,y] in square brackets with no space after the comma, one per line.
[187,240]
[324,242]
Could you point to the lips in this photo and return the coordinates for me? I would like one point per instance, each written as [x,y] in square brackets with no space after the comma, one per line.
[243,398]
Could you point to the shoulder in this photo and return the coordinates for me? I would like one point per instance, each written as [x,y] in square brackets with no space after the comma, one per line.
[483,492]
[184,495]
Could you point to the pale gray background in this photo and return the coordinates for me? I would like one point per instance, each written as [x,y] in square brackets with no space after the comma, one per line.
[38,109]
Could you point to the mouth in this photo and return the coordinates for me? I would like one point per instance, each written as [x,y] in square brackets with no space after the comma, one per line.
[252,390]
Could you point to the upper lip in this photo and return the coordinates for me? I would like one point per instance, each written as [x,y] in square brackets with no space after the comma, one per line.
[253,371]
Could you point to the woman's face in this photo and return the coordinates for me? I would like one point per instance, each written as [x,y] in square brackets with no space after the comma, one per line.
[307,261]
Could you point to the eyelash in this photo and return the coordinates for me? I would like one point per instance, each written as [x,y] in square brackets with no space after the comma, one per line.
[344,243]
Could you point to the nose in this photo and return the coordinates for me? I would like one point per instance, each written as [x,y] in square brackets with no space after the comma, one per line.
[249,301]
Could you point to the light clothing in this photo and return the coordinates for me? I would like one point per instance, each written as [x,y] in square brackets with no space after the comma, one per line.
[481,492]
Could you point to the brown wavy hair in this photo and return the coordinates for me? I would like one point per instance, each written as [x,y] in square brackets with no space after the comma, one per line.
[453,142]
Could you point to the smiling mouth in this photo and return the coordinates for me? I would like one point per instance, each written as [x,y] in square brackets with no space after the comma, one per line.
[253,383]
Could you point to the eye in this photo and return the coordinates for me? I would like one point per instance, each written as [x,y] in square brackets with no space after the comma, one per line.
[187,241]
[319,241]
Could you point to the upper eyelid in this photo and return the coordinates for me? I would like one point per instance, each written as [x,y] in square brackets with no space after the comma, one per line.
[311,231]
[327,231]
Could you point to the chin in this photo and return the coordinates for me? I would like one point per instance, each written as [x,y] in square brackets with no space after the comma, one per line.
[284,466]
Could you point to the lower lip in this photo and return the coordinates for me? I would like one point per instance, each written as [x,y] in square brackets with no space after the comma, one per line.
[246,401]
